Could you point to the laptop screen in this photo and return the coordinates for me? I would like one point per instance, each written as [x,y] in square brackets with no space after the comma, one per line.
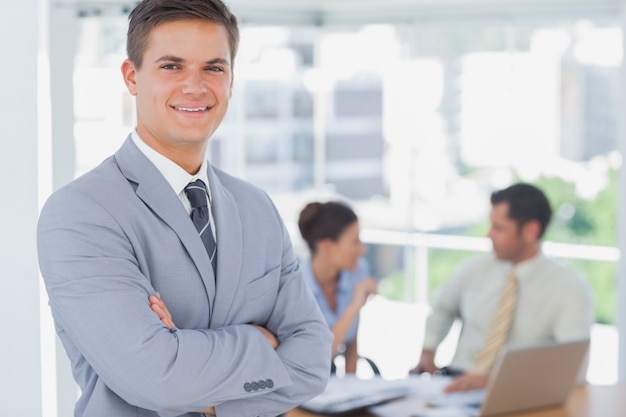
[534,376]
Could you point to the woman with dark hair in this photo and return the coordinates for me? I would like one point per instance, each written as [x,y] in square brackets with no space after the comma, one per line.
[336,271]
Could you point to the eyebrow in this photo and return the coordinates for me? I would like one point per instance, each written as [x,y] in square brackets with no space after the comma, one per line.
[178,60]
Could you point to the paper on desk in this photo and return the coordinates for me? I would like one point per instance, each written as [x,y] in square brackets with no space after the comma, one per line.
[458,399]
[444,412]
[423,387]
[428,386]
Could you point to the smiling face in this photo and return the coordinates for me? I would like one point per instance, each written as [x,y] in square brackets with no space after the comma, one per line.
[182,88]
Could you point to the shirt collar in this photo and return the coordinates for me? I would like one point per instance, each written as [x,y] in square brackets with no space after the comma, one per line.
[343,284]
[174,174]
[525,268]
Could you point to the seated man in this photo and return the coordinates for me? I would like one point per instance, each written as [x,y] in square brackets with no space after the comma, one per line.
[514,296]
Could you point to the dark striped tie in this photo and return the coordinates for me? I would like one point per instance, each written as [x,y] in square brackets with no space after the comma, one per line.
[196,193]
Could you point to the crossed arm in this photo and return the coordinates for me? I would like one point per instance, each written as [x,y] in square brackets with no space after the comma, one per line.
[158,306]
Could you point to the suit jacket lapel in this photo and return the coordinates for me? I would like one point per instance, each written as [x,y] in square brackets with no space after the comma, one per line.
[155,191]
[229,249]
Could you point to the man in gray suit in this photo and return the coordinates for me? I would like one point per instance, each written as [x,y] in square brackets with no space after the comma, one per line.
[250,339]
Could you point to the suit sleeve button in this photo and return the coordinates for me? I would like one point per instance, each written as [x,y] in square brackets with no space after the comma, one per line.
[255,386]
[269,383]
[262,384]
[247,386]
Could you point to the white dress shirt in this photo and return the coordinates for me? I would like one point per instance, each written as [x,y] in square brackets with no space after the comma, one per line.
[176,176]
[554,303]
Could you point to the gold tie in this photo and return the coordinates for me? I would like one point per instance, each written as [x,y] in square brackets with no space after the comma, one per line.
[499,328]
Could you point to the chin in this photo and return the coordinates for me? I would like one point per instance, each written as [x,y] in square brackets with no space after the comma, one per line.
[505,258]
[194,137]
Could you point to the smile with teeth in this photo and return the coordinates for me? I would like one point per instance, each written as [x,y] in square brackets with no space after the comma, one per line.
[193,110]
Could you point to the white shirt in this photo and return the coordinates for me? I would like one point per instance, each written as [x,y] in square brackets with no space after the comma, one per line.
[176,176]
[554,303]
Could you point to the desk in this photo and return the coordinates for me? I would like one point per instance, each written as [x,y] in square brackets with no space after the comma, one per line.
[585,401]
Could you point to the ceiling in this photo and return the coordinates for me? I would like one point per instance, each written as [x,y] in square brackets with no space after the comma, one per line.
[331,12]
[350,12]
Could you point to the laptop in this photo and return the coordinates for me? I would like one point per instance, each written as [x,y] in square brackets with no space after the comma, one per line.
[525,377]
[348,394]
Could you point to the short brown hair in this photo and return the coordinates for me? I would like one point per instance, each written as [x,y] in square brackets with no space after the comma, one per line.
[526,202]
[150,13]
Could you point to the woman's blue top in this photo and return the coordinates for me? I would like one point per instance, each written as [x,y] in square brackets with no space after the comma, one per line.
[345,290]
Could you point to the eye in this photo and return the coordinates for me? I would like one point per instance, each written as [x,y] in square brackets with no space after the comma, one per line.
[214,68]
[169,66]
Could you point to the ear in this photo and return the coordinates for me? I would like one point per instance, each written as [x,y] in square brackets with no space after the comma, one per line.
[129,73]
[324,246]
[530,230]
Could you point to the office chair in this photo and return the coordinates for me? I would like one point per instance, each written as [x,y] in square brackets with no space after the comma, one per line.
[372,365]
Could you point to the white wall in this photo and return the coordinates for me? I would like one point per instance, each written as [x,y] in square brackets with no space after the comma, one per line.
[20,358]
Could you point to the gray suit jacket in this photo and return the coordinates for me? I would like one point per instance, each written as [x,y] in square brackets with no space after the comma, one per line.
[116,235]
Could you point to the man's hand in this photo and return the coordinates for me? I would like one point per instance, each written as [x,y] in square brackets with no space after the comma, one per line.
[271,338]
[158,306]
[209,411]
[467,382]
[426,363]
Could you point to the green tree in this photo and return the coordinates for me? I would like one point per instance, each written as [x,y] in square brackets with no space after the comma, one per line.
[590,221]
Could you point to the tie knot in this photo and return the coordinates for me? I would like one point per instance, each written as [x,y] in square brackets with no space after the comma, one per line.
[196,193]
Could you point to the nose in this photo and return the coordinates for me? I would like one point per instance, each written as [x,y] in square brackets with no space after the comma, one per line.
[194,84]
